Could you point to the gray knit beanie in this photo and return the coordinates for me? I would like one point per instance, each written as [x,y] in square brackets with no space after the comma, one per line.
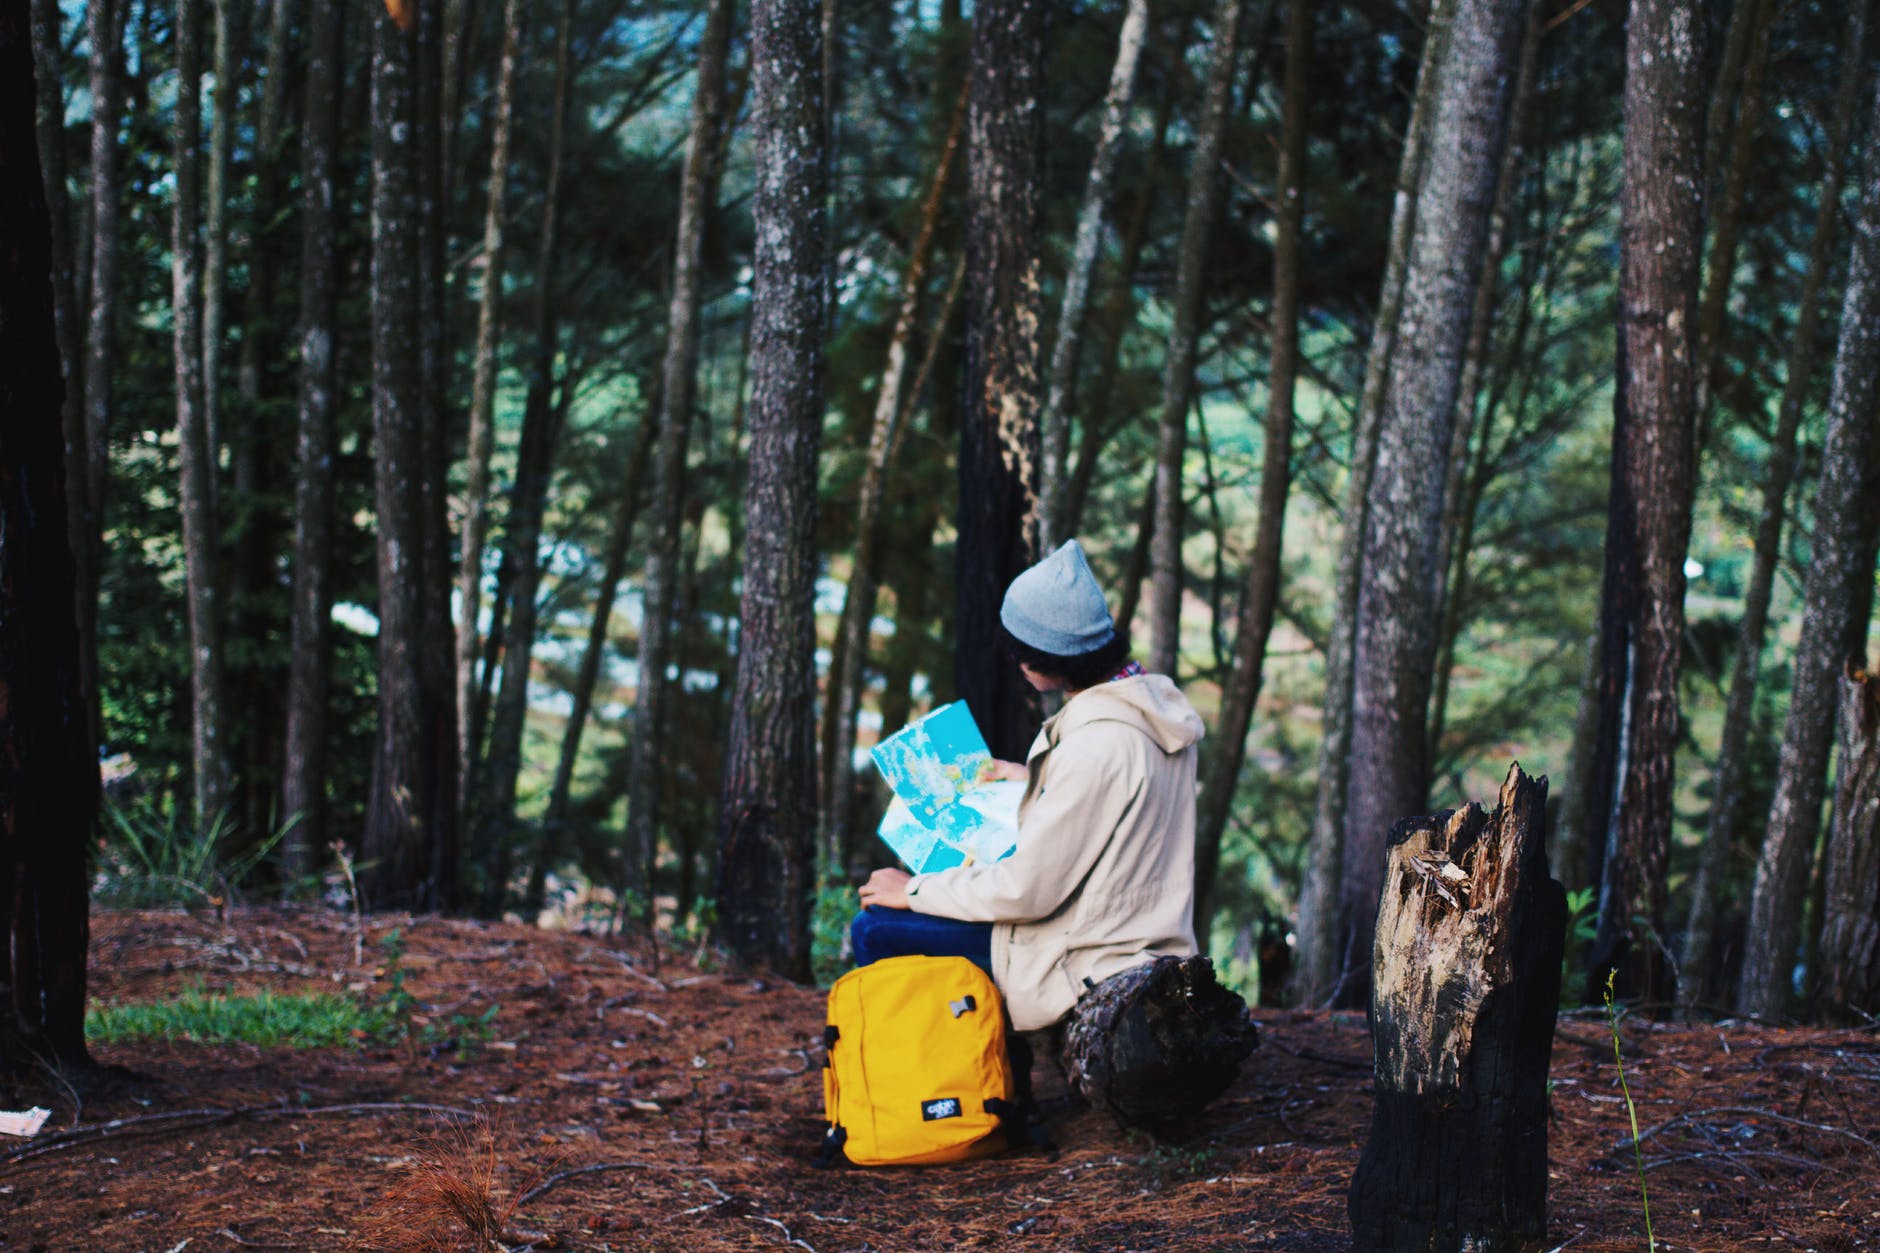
[1057,607]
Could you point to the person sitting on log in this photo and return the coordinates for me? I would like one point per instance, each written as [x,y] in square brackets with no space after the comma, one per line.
[1103,875]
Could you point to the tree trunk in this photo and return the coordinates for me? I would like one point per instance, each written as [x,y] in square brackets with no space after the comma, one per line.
[581,697]
[1178,371]
[481,437]
[1227,747]
[858,602]
[1055,424]
[303,771]
[1465,991]
[225,67]
[48,762]
[1156,1043]
[998,485]
[1727,787]
[104,30]
[767,824]
[535,460]
[677,388]
[1649,514]
[201,535]
[1849,982]
[1840,559]
[49,114]
[1395,641]
[399,836]
[1328,957]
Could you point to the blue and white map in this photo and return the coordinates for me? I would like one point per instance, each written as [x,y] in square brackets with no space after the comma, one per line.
[941,816]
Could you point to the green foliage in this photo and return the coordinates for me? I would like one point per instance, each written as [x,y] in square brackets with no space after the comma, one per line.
[462,1035]
[831,911]
[150,860]
[264,1019]
[1582,925]
[396,1001]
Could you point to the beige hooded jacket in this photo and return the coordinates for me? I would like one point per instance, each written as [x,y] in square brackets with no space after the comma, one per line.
[1103,877]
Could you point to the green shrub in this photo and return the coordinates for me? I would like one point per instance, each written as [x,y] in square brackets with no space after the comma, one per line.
[151,860]
[266,1019]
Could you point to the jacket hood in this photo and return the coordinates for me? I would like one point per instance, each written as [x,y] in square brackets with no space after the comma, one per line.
[1149,702]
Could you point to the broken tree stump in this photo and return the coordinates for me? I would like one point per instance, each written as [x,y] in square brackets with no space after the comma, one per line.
[1849,989]
[1156,1043]
[1465,986]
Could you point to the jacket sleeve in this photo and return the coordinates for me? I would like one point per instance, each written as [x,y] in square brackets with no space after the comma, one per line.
[1089,783]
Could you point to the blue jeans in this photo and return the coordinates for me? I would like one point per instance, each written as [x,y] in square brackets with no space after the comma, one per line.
[877,933]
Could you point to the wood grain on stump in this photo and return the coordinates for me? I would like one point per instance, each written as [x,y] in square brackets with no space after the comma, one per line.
[1465,985]
[1154,1044]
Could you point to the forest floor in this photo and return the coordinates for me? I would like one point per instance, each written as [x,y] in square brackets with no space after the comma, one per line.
[619,1102]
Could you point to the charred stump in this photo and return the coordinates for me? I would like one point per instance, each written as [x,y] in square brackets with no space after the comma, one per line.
[1156,1043]
[1465,985]
[1850,931]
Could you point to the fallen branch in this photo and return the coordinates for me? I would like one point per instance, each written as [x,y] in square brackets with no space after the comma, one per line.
[598,1168]
[1746,1111]
[191,1118]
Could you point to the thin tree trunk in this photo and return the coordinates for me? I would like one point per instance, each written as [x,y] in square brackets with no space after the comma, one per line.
[1727,786]
[767,824]
[104,30]
[303,771]
[1397,607]
[858,602]
[998,461]
[226,62]
[1569,855]
[677,388]
[1840,558]
[581,696]
[1726,221]
[1649,515]
[1458,518]
[201,536]
[48,762]
[541,431]
[1328,959]
[480,440]
[1055,423]
[1178,376]
[1260,597]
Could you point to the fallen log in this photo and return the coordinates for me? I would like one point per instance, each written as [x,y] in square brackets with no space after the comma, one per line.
[1154,1044]
[1465,988]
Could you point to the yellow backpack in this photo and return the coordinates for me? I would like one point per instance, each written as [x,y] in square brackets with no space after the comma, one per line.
[917,1070]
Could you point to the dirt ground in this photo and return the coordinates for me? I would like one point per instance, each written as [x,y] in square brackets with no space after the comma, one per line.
[636,1101]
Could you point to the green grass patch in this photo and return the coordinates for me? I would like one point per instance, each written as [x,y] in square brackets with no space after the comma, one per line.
[267,1019]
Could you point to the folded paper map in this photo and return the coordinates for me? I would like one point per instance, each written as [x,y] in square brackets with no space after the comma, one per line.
[941,815]
[25,1123]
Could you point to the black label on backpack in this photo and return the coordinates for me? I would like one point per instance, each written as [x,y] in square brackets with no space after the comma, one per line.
[941,1107]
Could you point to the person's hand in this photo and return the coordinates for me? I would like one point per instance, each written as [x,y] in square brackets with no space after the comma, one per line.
[886,889]
[992,770]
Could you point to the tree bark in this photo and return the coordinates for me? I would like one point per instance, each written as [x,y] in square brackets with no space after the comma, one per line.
[1178,371]
[1328,957]
[1849,983]
[1727,786]
[481,438]
[1395,641]
[1259,599]
[1156,1043]
[49,112]
[48,762]
[858,602]
[1055,423]
[767,824]
[1466,989]
[226,61]
[303,771]
[541,431]
[677,389]
[998,485]
[1649,514]
[400,837]
[1840,559]
[201,535]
